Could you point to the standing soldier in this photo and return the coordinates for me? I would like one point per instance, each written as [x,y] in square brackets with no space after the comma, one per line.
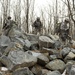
[37,25]
[64,31]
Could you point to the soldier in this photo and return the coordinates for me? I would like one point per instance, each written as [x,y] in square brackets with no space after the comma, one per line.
[37,25]
[64,30]
[8,25]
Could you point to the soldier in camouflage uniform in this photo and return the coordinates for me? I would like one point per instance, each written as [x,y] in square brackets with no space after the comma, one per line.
[8,25]
[64,31]
[37,25]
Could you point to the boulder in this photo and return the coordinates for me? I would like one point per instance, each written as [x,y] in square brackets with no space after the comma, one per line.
[21,59]
[73,50]
[56,65]
[9,48]
[27,44]
[4,41]
[68,67]
[65,51]
[42,72]
[54,73]
[42,59]
[72,61]
[72,71]
[6,62]
[52,52]
[46,42]
[70,56]
[57,45]
[32,41]
[19,40]
[35,54]
[32,37]
[53,57]
[0,73]
[73,44]
[36,68]
[15,33]
[53,37]
[47,50]
[4,69]
[22,71]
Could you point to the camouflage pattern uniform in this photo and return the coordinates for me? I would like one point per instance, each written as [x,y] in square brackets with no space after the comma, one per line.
[37,25]
[9,24]
[64,31]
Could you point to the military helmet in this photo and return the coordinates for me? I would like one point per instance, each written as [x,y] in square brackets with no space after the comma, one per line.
[67,20]
[38,18]
[9,17]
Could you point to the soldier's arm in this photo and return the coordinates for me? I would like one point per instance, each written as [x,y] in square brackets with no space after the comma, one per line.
[41,24]
[14,22]
[33,25]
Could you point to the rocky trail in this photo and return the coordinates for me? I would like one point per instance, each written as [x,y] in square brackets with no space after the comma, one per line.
[29,54]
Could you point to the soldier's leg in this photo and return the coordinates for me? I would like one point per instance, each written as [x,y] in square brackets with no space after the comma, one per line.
[36,30]
[39,31]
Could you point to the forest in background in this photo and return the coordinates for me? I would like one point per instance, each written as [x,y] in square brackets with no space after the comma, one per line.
[50,16]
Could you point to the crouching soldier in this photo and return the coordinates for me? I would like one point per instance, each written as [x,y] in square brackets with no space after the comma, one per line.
[8,26]
[38,26]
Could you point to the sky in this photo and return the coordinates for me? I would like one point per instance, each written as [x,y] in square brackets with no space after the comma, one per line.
[42,4]
[39,4]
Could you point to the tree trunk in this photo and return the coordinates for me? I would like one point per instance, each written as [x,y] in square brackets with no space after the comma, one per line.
[27,16]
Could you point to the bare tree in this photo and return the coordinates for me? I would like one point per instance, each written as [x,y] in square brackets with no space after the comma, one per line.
[17,13]
[6,8]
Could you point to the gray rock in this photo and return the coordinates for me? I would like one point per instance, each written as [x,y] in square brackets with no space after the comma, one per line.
[73,44]
[34,41]
[32,37]
[6,62]
[35,54]
[35,69]
[65,51]
[70,56]
[0,74]
[21,59]
[27,44]
[72,71]
[42,72]
[4,40]
[15,33]
[68,67]
[72,61]
[56,65]
[46,42]
[19,40]
[54,73]
[53,37]
[51,52]
[22,71]
[47,50]
[42,59]
[57,44]
[53,57]
[73,50]
[8,49]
